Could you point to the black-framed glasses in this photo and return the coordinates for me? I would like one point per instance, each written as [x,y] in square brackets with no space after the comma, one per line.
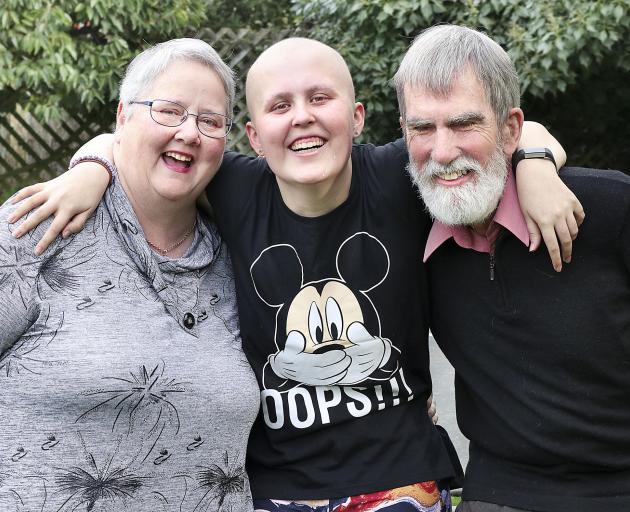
[169,113]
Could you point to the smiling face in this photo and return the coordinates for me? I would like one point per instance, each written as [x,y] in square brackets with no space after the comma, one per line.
[303,114]
[158,163]
[457,152]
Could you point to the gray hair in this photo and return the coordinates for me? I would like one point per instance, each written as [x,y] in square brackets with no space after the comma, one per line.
[438,56]
[152,62]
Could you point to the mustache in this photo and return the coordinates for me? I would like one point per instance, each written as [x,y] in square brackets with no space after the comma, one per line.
[462,163]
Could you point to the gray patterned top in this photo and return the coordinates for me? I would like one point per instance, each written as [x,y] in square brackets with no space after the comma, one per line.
[123,386]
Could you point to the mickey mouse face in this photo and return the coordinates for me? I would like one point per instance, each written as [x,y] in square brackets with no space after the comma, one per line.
[327,330]
[322,310]
[323,318]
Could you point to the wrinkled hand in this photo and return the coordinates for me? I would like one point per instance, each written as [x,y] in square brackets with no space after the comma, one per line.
[368,353]
[551,210]
[71,198]
[293,363]
[432,409]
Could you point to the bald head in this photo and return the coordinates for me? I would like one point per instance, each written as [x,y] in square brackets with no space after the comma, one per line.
[292,59]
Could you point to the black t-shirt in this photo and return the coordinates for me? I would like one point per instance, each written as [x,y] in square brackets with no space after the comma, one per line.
[334,322]
[542,359]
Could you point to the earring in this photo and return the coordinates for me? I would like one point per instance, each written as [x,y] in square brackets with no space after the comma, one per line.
[261,153]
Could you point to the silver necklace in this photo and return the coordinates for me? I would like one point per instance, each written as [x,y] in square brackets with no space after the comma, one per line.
[168,249]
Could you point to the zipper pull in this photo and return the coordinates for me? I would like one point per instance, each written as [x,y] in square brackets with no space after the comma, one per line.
[491,267]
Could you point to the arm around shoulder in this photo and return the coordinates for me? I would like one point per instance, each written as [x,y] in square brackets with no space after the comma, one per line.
[70,198]
[535,134]
[552,212]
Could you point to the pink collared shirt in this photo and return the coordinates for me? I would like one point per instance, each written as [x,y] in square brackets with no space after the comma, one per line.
[508,215]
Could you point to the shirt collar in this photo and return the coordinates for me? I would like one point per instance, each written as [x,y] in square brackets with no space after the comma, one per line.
[508,215]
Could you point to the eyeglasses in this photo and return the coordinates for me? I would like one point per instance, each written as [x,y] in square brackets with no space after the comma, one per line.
[169,113]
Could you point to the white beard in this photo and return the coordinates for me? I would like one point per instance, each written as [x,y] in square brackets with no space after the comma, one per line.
[468,204]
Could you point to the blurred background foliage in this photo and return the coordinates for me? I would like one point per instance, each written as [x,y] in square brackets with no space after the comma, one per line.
[573,56]
[68,54]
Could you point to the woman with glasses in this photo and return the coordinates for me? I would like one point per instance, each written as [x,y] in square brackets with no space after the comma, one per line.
[123,385]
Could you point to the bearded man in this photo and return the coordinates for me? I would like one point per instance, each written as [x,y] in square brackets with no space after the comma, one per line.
[542,359]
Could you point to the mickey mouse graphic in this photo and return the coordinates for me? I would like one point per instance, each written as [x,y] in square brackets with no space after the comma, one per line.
[328,331]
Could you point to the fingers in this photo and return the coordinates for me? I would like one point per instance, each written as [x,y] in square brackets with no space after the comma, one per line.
[551,241]
[559,238]
[573,226]
[567,230]
[534,235]
[76,224]
[578,210]
[27,192]
[331,372]
[33,220]
[330,359]
[51,233]
[432,409]
[574,220]
[565,239]
[579,214]
[29,204]
[329,380]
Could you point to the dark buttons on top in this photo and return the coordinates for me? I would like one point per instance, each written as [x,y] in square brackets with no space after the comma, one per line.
[189,320]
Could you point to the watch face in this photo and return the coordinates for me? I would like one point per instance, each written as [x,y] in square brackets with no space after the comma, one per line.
[536,153]
[527,153]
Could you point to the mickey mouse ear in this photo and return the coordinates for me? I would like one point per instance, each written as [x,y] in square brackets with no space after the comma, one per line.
[277,274]
[359,252]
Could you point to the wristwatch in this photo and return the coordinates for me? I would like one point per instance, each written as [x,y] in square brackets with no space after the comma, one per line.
[526,153]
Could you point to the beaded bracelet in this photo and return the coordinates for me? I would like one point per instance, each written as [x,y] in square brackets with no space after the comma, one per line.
[109,167]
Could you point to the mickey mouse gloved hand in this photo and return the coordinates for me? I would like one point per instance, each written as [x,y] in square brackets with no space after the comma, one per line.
[368,354]
[293,363]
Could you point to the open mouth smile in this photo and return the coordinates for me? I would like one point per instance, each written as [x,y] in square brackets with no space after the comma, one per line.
[177,161]
[453,175]
[307,144]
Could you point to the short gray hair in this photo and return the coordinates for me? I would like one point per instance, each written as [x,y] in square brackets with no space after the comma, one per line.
[152,62]
[439,54]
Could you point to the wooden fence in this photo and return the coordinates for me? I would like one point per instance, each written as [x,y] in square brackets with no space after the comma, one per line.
[31,150]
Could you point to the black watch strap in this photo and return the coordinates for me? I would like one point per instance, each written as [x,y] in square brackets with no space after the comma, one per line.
[526,153]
